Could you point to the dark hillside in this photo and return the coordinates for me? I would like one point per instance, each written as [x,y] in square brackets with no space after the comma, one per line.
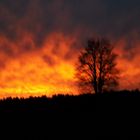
[114,113]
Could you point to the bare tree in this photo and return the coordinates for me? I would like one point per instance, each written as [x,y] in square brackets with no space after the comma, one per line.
[96,70]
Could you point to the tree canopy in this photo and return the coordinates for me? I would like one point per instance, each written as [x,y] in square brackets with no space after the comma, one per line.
[96,70]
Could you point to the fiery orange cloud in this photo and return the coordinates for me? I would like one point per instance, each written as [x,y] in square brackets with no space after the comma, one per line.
[48,69]
[129,64]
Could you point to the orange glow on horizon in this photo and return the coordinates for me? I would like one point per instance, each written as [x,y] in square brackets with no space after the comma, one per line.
[50,68]
[129,65]
[46,71]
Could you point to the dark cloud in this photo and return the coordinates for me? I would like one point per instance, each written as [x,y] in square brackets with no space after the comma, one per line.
[49,60]
[41,17]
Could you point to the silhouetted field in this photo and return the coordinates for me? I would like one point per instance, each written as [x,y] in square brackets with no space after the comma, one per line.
[112,113]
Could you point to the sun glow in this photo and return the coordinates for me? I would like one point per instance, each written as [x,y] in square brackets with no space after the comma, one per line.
[48,70]
[30,70]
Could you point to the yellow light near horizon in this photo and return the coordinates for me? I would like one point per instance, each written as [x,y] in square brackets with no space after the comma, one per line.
[43,71]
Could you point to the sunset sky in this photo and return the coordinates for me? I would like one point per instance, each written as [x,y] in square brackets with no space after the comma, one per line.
[40,41]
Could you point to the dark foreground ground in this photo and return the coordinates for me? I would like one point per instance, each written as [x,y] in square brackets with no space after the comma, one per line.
[109,114]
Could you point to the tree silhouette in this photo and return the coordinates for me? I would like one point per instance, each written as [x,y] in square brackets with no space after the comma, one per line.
[96,70]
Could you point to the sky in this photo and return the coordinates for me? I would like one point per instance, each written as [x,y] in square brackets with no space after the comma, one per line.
[40,41]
